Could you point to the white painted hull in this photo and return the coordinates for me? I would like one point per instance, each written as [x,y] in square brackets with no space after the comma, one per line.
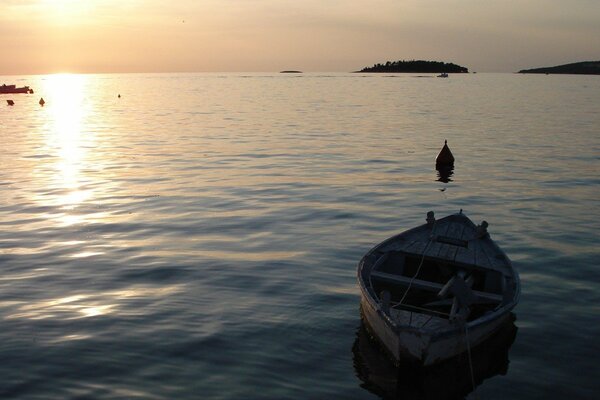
[421,346]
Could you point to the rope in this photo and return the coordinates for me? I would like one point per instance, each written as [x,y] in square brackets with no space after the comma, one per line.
[411,307]
[426,322]
[470,360]
[418,268]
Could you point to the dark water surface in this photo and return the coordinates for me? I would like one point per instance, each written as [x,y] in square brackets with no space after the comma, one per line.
[199,236]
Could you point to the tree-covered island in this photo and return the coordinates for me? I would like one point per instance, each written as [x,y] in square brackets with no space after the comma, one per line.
[416,66]
[579,68]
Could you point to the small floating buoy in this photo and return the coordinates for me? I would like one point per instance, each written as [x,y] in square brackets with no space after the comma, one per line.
[10,102]
[42,102]
[119,96]
[444,159]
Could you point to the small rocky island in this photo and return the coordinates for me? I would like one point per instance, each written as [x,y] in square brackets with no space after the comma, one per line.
[416,66]
[581,68]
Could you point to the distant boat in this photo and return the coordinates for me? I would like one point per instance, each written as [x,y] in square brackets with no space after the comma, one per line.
[435,291]
[10,89]
[443,75]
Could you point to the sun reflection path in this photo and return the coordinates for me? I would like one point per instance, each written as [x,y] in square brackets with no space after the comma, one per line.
[67,112]
[68,141]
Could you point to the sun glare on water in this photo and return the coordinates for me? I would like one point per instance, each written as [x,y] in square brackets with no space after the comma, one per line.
[67,113]
[66,136]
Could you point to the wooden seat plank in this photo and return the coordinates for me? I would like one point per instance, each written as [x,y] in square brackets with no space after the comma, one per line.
[426,285]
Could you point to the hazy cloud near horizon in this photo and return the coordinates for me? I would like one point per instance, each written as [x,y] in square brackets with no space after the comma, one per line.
[269,35]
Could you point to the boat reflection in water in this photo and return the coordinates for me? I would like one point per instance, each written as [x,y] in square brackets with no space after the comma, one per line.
[448,380]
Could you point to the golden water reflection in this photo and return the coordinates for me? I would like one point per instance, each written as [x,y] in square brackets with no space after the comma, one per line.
[68,141]
[89,305]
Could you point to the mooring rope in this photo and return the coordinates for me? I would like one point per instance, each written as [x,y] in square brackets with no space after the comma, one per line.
[431,236]
[470,360]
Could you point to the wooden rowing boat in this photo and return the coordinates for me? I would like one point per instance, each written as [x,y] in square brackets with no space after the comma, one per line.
[434,291]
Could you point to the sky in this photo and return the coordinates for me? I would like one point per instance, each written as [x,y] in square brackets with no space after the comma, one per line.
[101,36]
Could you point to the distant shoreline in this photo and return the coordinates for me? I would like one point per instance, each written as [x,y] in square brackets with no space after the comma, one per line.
[578,68]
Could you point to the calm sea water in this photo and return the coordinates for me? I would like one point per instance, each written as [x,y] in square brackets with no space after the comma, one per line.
[198,237]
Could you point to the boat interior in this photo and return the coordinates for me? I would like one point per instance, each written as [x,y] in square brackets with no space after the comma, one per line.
[436,288]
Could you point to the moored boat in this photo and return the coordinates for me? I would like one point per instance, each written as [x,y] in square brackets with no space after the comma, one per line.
[10,89]
[435,291]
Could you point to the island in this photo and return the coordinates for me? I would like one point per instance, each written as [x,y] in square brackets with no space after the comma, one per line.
[416,66]
[580,68]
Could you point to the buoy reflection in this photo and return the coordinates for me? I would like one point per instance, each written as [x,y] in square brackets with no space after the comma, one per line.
[445,174]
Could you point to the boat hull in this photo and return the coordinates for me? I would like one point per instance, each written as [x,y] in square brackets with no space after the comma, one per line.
[11,90]
[452,379]
[421,347]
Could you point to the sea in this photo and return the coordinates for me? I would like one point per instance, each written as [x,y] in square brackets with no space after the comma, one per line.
[196,236]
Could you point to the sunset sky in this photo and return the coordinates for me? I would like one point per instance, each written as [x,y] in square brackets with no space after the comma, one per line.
[47,36]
